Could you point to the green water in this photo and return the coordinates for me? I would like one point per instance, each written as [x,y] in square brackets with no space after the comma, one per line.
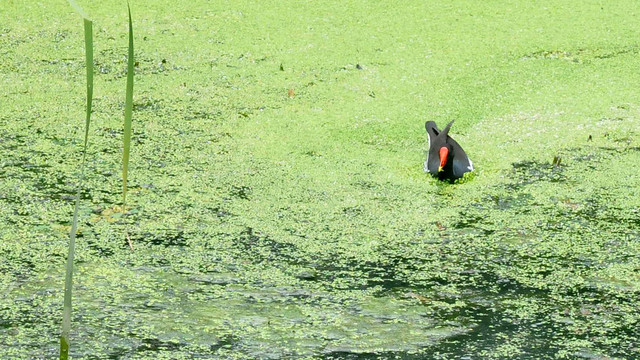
[271,224]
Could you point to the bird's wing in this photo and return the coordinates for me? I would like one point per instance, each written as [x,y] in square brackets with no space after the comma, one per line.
[461,162]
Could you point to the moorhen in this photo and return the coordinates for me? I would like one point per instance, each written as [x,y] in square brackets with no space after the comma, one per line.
[445,159]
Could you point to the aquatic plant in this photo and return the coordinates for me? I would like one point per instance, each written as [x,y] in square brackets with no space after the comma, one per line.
[88,36]
[128,110]
[68,284]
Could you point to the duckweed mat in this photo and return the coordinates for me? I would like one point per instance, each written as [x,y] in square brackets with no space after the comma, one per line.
[277,203]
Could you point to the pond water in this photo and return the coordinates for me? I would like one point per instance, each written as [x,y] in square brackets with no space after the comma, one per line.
[271,224]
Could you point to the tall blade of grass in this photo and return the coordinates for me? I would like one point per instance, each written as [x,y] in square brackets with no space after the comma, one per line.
[128,109]
[68,284]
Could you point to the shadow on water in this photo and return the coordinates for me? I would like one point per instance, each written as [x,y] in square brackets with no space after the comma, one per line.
[263,248]
[488,320]
[151,346]
[529,172]
[492,323]
[166,238]
[337,355]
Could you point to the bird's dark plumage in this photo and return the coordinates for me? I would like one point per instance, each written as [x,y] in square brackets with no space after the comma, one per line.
[445,159]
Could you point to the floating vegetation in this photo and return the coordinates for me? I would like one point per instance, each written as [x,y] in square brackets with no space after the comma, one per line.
[268,226]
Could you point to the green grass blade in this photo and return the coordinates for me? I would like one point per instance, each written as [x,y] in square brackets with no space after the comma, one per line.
[68,285]
[128,109]
[88,44]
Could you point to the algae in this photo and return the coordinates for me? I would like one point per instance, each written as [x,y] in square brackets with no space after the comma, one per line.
[268,225]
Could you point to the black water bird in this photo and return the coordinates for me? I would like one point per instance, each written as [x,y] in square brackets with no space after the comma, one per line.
[445,160]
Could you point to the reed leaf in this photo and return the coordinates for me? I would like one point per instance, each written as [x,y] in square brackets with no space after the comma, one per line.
[68,284]
[128,110]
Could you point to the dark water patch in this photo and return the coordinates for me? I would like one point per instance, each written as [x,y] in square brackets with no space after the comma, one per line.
[594,212]
[388,275]
[503,202]
[144,65]
[468,220]
[589,158]
[345,354]
[155,344]
[22,265]
[225,341]
[307,274]
[204,115]
[56,187]
[613,150]
[487,316]
[632,148]
[592,209]
[490,329]
[385,274]
[12,141]
[166,238]
[263,248]
[219,211]
[221,279]
[529,172]
[490,309]
[633,49]
[292,293]
[357,275]
[240,192]
[494,305]
[110,132]
[27,161]
[581,55]
[33,167]
[243,111]
[367,185]
[312,153]
[502,286]
[157,65]
[451,256]
[44,180]
[147,104]
[99,249]
[598,153]
[352,211]
[472,222]
[490,320]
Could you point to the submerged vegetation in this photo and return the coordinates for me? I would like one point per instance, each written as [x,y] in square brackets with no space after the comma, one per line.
[281,209]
